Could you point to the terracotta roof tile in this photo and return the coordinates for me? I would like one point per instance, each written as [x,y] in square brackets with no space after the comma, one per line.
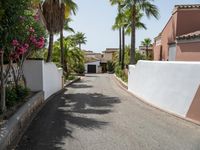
[188,6]
[192,35]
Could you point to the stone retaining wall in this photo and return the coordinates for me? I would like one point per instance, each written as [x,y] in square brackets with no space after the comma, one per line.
[18,122]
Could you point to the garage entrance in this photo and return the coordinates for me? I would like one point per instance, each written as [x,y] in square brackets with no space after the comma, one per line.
[91,69]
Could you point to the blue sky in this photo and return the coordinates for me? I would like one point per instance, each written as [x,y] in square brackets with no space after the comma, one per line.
[96,17]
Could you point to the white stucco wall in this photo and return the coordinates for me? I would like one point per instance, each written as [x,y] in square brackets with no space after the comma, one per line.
[33,72]
[97,63]
[52,79]
[43,76]
[168,85]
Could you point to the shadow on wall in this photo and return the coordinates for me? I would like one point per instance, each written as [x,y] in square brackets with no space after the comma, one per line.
[61,114]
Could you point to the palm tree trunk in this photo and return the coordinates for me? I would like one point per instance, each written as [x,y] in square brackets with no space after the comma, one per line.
[80,46]
[2,87]
[132,52]
[66,68]
[61,48]
[123,47]
[49,56]
[147,52]
[120,45]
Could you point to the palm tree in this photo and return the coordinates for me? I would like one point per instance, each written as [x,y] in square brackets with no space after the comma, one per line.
[69,29]
[67,6]
[118,2]
[55,12]
[123,20]
[144,6]
[51,13]
[80,38]
[147,44]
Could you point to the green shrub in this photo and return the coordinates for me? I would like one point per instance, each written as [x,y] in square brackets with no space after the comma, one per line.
[70,77]
[22,93]
[121,73]
[13,95]
[80,68]
[110,66]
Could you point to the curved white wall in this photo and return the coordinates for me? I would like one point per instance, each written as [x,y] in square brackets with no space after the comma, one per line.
[52,79]
[168,85]
[43,76]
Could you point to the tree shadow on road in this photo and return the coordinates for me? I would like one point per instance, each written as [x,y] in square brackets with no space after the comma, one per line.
[81,86]
[63,114]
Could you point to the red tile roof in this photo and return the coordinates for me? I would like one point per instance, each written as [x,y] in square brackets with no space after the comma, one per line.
[192,35]
[187,6]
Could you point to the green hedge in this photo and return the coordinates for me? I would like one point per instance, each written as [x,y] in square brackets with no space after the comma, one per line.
[13,95]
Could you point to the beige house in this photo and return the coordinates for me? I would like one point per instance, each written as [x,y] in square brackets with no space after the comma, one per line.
[94,59]
[143,50]
[109,53]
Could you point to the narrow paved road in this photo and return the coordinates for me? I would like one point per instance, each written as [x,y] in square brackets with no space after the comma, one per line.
[96,114]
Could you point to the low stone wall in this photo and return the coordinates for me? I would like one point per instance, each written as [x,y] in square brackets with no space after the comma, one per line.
[18,122]
[171,86]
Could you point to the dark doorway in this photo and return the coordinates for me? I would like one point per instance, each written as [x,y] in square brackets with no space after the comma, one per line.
[91,68]
[104,67]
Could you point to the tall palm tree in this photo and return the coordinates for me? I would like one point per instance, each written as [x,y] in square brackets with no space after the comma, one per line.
[145,6]
[62,57]
[80,38]
[147,44]
[118,3]
[67,6]
[55,12]
[123,20]
[51,13]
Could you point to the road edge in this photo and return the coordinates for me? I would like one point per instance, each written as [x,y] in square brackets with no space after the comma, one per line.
[124,86]
[19,137]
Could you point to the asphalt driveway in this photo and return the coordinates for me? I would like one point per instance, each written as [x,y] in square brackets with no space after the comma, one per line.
[96,114]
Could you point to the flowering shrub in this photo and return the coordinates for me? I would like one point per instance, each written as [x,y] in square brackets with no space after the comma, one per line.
[21,34]
[21,48]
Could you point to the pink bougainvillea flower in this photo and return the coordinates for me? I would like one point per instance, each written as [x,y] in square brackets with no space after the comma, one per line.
[26,46]
[14,56]
[21,50]
[15,43]
[40,43]
[33,39]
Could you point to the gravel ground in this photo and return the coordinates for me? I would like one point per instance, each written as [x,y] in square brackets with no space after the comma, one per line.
[96,114]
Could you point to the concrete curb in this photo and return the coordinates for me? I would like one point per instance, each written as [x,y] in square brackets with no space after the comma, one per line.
[70,82]
[122,83]
[124,86]
[16,124]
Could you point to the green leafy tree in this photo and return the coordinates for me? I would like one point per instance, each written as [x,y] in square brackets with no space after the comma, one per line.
[15,23]
[9,23]
[73,56]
